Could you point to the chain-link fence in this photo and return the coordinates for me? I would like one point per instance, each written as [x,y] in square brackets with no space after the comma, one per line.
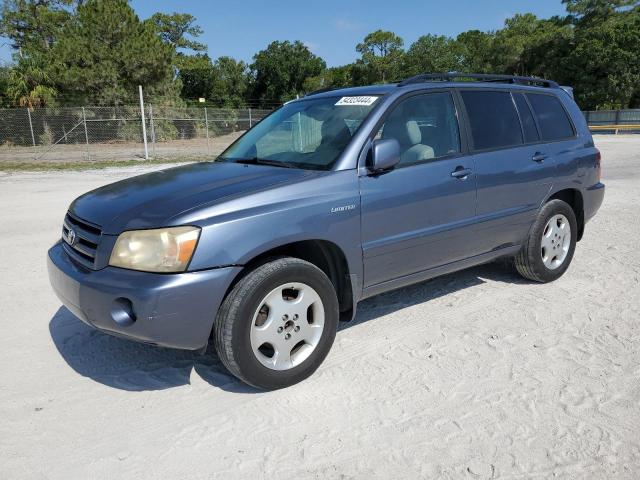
[116,133]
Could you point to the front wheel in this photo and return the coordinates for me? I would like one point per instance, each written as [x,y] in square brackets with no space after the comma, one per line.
[277,324]
[548,250]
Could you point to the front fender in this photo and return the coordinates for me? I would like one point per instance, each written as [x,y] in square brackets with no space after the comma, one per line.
[323,208]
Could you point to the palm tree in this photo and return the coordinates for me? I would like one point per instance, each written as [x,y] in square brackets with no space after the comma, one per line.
[28,85]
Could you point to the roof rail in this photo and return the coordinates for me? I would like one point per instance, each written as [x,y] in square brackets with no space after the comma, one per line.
[479,77]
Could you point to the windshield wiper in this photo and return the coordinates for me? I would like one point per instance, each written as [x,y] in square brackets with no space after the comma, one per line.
[262,161]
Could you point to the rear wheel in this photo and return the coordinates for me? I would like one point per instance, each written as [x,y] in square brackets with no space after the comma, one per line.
[277,324]
[548,250]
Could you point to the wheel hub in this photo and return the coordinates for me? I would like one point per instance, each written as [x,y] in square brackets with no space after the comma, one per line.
[287,326]
[556,240]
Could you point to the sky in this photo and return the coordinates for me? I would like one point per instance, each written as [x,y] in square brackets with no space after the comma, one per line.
[332,28]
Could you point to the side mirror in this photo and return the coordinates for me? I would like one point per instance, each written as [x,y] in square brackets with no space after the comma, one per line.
[385,154]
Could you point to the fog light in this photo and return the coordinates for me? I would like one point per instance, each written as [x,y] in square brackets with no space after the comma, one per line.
[122,312]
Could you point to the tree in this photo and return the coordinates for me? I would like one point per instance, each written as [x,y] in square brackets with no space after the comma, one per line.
[178,30]
[280,70]
[475,48]
[28,85]
[381,57]
[105,52]
[433,53]
[604,65]
[197,76]
[33,26]
[334,77]
[510,43]
[4,84]
[597,8]
[230,82]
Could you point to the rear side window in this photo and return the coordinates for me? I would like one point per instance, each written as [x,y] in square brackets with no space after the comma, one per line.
[493,119]
[526,117]
[552,118]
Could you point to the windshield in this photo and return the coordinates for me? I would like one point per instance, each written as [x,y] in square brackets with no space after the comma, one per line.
[309,134]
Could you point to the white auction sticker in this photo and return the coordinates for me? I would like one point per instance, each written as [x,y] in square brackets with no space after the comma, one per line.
[357,100]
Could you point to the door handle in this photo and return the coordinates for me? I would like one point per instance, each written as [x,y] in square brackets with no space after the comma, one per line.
[461,173]
[538,157]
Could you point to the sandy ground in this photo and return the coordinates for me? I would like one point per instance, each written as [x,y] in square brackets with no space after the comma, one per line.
[476,375]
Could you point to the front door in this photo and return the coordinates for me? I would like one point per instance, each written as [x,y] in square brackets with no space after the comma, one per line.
[420,214]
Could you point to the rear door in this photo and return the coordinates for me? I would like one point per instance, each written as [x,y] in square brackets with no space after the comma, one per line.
[418,215]
[514,170]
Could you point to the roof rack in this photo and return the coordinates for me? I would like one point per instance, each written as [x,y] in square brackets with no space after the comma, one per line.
[479,77]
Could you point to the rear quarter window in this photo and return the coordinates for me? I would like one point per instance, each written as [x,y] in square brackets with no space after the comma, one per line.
[493,119]
[552,118]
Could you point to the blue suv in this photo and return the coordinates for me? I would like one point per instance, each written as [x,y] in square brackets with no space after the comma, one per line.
[333,198]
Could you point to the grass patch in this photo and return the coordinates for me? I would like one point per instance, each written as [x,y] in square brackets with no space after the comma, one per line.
[87,165]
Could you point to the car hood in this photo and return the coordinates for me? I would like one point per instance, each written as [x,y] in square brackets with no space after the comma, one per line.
[151,200]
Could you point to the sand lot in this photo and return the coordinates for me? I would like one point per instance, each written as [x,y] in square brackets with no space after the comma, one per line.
[476,375]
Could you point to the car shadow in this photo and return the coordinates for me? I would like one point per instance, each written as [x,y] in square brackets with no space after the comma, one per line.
[389,302]
[132,366]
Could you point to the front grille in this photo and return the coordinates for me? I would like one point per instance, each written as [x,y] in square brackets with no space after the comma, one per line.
[81,240]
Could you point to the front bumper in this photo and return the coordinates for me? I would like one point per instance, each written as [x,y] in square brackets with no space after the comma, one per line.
[171,310]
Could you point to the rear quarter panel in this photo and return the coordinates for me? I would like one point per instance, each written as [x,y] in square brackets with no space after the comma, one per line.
[576,158]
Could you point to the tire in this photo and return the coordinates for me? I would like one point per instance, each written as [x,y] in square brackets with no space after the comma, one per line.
[544,259]
[270,302]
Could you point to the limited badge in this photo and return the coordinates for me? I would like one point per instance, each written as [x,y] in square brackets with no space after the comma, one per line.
[361,100]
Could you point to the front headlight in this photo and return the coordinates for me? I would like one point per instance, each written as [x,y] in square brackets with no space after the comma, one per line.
[159,250]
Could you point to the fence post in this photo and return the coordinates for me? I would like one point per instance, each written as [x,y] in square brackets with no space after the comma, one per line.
[153,130]
[250,121]
[86,132]
[144,126]
[33,137]
[206,125]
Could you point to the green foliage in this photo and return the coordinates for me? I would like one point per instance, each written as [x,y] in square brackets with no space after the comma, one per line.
[230,82]
[528,45]
[335,77]
[604,66]
[27,84]
[222,83]
[33,26]
[105,52]
[197,76]
[279,71]
[475,49]
[176,29]
[4,84]
[433,53]
[99,51]
[381,58]
[597,8]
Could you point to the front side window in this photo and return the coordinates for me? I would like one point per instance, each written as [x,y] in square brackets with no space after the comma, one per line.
[309,134]
[493,119]
[425,126]
[553,120]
